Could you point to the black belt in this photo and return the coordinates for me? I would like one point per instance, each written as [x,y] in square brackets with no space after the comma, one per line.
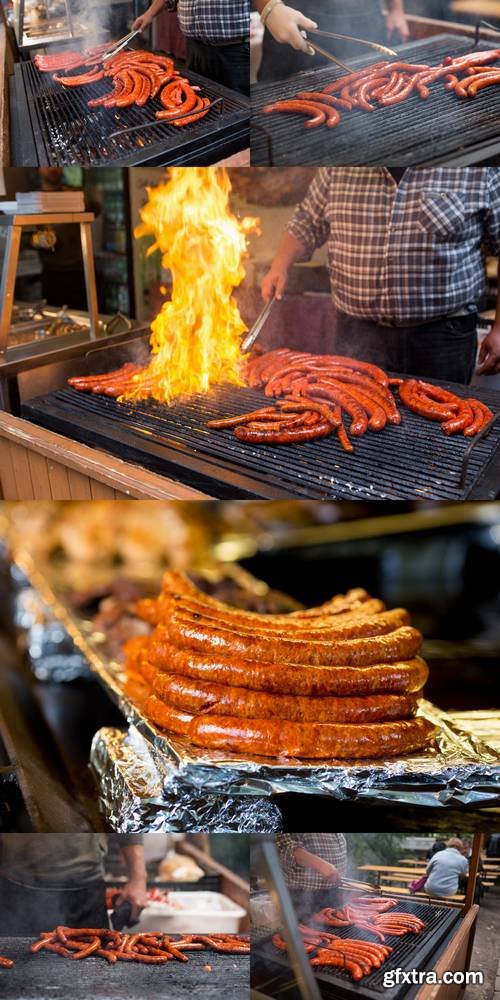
[233,41]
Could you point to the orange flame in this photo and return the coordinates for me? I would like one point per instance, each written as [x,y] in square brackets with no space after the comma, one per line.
[195,339]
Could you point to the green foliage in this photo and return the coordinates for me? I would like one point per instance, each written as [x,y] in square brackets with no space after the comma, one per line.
[375,848]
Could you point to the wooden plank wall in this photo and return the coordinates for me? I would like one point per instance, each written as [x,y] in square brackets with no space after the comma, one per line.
[36,464]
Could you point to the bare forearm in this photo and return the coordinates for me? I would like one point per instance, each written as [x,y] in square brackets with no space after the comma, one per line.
[290,250]
[133,856]
[305,859]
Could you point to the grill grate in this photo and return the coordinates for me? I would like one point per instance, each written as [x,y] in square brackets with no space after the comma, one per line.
[409,952]
[414,460]
[443,129]
[56,126]
[46,974]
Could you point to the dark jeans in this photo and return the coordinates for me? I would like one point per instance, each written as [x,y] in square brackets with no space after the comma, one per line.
[443,349]
[309,901]
[344,17]
[26,911]
[225,64]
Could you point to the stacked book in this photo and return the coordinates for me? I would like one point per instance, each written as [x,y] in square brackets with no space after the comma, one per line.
[34,202]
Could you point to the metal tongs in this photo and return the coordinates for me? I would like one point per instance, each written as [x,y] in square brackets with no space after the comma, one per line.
[249,340]
[346,38]
[121,44]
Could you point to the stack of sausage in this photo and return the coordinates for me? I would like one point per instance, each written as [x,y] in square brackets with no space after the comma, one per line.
[372,914]
[150,947]
[385,84]
[467,416]
[318,390]
[357,957]
[341,680]
[114,384]
[137,76]
[56,62]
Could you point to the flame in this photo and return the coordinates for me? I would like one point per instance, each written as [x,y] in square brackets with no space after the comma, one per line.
[195,338]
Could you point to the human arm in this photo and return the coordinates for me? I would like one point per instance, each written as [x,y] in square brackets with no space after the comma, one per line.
[395,22]
[489,351]
[142,22]
[307,230]
[135,889]
[285,24]
[290,250]
[304,859]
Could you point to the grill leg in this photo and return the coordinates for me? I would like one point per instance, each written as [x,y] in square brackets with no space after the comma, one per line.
[88,268]
[8,282]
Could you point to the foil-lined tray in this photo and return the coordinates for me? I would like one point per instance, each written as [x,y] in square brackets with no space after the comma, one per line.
[459,769]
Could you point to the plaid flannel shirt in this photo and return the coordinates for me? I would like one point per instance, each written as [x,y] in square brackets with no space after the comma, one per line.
[329,846]
[406,253]
[214,21]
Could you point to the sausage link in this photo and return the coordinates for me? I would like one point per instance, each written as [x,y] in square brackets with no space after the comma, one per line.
[316,117]
[404,641]
[403,677]
[292,436]
[275,738]
[196,697]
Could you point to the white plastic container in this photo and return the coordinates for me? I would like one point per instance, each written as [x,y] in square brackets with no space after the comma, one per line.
[197,913]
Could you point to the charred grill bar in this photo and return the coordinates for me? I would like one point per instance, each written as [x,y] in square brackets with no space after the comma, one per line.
[37,976]
[53,126]
[414,460]
[440,130]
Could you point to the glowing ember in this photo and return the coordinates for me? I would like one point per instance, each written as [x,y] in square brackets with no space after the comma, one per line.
[195,339]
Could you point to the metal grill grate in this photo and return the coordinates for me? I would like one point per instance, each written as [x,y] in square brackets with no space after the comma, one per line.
[442,129]
[414,460]
[46,974]
[409,952]
[56,126]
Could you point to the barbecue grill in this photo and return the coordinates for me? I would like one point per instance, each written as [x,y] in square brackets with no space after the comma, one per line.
[443,129]
[409,952]
[55,127]
[35,977]
[413,460]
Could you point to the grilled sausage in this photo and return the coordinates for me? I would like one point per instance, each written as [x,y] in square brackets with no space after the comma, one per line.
[196,696]
[292,436]
[401,677]
[315,116]
[403,642]
[277,738]
[354,626]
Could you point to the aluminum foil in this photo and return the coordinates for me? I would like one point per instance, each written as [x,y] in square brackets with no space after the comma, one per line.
[140,791]
[201,787]
[51,653]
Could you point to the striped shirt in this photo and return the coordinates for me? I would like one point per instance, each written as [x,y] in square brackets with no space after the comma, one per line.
[403,253]
[329,846]
[214,21]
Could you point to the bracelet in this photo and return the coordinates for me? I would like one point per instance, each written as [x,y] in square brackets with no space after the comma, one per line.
[268,9]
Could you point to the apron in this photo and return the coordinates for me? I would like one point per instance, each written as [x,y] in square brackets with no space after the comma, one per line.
[360,18]
[27,910]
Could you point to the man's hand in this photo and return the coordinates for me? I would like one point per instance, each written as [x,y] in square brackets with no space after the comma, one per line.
[142,22]
[396,26]
[284,23]
[134,893]
[274,281]
[489,353]
[329,872]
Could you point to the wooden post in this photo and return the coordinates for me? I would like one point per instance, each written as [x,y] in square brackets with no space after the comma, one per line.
[477,842]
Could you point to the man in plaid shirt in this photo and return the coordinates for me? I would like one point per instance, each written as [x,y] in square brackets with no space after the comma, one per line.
[406,263]
[218,37]
[312,864]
